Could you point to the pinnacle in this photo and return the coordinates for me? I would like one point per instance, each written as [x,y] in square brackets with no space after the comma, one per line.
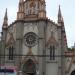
[5,17]
[59,11]
[5,23]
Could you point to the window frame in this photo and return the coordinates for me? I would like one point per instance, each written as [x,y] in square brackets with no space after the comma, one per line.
[52,52]
[11,53]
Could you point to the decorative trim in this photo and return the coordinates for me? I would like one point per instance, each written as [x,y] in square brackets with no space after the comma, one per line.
[11,40]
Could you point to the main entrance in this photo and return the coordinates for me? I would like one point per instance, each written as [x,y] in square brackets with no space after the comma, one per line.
[73,72]
[29,68]
[29,73]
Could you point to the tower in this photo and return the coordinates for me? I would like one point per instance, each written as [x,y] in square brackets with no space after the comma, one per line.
[4,35]
[61,25]
[63,41]
[20,13]
[31,9]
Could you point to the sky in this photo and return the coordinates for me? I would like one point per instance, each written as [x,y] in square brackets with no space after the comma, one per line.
[67,9]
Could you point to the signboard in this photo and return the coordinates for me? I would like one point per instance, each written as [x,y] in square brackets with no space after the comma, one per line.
[8,70]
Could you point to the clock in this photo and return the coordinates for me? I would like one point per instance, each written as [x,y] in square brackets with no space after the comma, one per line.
[30,39]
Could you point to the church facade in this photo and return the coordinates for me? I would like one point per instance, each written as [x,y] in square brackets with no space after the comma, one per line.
[34,44]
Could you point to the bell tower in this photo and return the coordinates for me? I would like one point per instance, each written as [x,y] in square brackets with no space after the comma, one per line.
[34,9]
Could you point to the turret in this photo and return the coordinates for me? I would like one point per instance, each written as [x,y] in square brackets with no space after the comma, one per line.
[4,36]
[62,39]
[61,25]
[5,26]
[64,33]
[20,13]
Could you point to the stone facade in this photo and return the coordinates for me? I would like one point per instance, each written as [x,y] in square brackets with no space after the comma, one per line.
[70,62]
[33,43]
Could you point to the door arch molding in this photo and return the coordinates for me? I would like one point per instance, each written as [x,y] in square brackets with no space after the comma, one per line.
[29,67]
[73,72]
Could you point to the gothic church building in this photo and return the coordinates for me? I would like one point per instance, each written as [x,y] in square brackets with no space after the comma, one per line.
[33,43]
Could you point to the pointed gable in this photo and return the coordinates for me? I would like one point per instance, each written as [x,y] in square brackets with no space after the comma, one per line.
[11,40]
[52,40]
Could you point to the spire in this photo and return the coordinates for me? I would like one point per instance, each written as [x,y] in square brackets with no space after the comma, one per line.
[5,23]
[59,15]
[20,14]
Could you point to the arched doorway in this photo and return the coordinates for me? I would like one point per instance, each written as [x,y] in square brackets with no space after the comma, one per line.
[73,72]
[29,68]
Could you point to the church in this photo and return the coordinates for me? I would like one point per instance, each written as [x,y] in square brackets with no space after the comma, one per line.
[33,43]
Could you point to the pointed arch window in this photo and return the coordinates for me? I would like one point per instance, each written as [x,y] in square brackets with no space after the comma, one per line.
[11,52]
[52,52]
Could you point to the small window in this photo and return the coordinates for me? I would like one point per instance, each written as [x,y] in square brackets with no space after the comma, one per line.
[52,52]
[11,49]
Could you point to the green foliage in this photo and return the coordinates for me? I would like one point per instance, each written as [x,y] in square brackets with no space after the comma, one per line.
[70,49]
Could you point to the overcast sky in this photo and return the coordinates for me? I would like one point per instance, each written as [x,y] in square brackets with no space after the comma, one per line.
[67,9]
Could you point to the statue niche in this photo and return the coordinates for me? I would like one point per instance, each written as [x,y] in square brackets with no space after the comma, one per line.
[32,8]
